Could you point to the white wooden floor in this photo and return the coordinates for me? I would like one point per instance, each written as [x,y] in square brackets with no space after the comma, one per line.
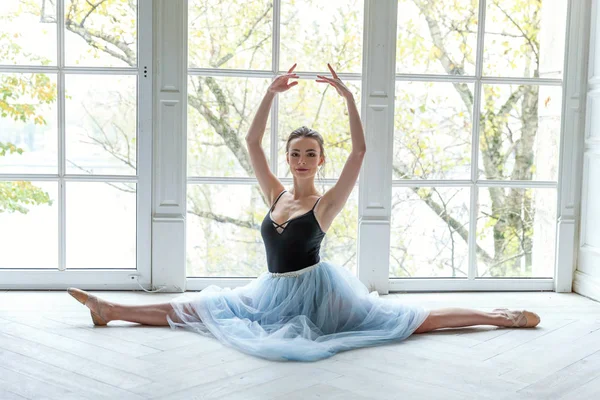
[49,349]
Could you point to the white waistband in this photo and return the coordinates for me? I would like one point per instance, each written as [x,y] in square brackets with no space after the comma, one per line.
[293,274]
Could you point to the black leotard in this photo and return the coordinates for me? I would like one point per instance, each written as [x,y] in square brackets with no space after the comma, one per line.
[297,246]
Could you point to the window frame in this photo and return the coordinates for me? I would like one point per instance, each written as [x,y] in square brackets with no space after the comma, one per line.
[198,283]
[374,221]
[95,278]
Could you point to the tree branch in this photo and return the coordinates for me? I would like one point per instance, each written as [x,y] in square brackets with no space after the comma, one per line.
[245,37]
[90,36]
[527,38]
[448,219]
[224,219]
[449,65]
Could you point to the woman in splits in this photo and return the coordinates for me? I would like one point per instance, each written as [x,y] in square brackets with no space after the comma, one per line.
[303,308]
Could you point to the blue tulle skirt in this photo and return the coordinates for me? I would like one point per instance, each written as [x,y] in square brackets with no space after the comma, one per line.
[305,315]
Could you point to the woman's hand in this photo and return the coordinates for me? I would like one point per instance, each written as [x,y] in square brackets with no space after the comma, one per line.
[281,84]
[336,83]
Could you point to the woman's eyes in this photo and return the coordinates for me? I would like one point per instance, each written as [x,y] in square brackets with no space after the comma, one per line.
[296,154]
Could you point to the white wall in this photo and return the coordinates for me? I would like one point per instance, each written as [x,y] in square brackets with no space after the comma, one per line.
[587,275]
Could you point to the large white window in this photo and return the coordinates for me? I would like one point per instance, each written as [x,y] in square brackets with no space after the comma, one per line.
[74,155]
[231,65]
[478,102]
[464,104]
[476,138]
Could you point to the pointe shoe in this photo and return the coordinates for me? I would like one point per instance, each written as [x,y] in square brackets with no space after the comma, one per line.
[83,297]
[521,319]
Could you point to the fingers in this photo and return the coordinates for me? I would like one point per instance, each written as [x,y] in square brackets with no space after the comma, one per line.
[292,84]
[332,71]
[291,69]
[322,81]
[331,83]
[286,77]
[325,79]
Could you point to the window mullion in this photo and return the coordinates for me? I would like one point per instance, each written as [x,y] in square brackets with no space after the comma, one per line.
[276,36]
[169,143]
[378,88]
[62,218]
[275,69]
[472,273]
[144,143]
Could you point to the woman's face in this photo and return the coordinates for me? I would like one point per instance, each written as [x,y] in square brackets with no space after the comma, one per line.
[304,157]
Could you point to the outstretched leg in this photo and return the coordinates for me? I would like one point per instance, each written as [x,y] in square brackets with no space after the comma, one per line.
[461,317]
[151,314]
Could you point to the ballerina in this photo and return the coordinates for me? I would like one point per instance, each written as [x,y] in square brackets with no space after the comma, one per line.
[303,308]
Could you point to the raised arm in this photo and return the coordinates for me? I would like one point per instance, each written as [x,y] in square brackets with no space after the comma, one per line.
[269,184]
[334,200]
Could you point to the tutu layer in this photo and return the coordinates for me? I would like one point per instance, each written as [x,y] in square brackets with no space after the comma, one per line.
[303,315]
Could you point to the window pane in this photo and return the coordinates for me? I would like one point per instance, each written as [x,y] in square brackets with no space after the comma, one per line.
[429,232]
[319,107]
[29,225]
[315,32]
[101,225]
[230,34]
[223,231]
[101,34]
[101,124]
[432,130]
[525,38]
[436,37]
[520,132]
[28,128]
[340,244]
[516,231]
[27,33]
[220,111]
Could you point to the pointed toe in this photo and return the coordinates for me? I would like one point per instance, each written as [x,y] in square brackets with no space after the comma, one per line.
[79,295]
[83,297]
[520,319]
[532,319]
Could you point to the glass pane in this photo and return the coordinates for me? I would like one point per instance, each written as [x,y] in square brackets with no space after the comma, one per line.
[525,38]
[101,225]
[437,37]
[315,32]
[101,34]
[230,34]
[520,132]
[220,111]
[429,232]
[516,232]
[319,107]
[29,225]
[101,124]
[27,32]
[28,124]
[432,130]
[223,232]
[340,244]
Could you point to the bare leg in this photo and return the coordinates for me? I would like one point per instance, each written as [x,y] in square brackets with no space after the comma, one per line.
[460,317]
[151,314]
